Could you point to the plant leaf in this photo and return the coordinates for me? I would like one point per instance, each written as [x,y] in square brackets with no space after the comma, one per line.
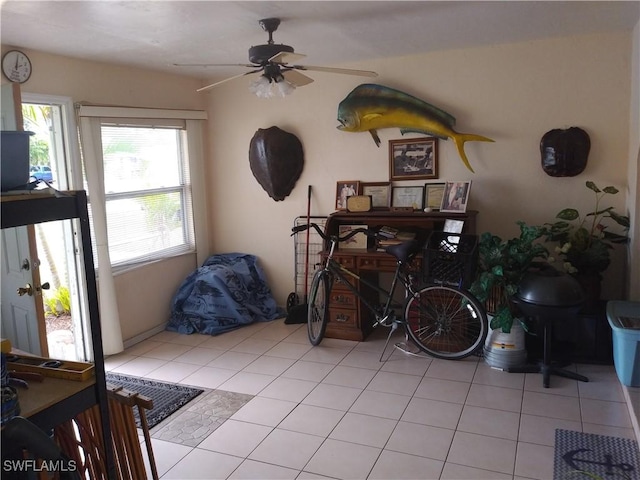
[592,186]
[600,212]
[615,238]
[619,219]
[497,270]
[568,214]
[502,319]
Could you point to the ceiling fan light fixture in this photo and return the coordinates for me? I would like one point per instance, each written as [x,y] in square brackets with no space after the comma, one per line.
[285,88]
[260,86]
[270,86]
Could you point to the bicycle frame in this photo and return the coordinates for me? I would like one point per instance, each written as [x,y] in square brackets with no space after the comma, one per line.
[338,271]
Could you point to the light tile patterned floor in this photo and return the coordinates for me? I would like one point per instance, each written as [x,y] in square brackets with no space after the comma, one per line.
[335,411]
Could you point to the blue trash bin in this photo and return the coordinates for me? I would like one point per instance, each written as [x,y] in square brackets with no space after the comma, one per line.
[624,319]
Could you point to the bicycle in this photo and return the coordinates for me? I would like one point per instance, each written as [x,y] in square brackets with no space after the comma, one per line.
[444,321]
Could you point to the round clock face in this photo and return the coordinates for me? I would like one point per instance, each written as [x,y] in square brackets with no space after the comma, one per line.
[16,66]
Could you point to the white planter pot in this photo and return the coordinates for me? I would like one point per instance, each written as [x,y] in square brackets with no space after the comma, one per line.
[505,350]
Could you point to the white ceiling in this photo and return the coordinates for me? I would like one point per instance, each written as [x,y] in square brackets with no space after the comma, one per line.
[155,34]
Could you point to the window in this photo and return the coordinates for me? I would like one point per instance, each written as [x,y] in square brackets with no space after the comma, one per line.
[147,192]
[144,202]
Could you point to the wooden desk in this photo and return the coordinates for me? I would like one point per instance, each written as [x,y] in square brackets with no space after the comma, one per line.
[54,400]
[349,318]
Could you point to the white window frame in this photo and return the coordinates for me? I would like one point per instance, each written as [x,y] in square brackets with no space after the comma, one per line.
[91,120]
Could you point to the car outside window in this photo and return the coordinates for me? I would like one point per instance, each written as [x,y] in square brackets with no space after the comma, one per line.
[40,172]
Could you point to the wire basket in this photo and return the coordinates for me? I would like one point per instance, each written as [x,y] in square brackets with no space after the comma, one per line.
[316,245]
[451,259]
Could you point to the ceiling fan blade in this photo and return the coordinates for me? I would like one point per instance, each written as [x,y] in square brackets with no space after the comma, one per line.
[248,65]
[208,87]
[296,78]
[286,57]
[346,71]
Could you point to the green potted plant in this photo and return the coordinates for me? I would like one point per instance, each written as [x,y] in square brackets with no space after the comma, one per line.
[584,242]
[501,266]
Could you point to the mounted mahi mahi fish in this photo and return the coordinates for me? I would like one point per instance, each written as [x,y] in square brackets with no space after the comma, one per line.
[370,107]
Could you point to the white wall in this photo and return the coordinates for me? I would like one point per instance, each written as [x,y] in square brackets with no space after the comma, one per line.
[511,93]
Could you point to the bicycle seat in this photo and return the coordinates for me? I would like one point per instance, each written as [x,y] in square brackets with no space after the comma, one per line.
[405,251]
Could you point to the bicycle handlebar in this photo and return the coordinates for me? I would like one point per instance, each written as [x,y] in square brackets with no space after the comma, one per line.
[301,228]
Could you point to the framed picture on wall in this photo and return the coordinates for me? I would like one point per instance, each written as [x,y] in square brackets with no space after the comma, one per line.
[403,197]
[380,194]
[413,159]
[433,195]
[455,197]
[344,190]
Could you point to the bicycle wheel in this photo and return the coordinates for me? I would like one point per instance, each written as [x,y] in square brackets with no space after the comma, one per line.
[318,313]
[445,322]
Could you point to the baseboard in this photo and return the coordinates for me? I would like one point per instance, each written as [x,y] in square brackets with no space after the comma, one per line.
[143,336]
[632,396]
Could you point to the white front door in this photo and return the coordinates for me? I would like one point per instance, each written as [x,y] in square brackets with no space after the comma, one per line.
[66,320]
[23,249]
[22,315]
[22,310]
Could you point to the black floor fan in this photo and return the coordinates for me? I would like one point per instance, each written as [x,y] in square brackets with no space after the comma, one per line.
[298,313]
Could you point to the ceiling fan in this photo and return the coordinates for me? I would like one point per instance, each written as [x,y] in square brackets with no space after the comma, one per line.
[279,76]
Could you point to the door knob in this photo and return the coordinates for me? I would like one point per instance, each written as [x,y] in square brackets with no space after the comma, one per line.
[28,289]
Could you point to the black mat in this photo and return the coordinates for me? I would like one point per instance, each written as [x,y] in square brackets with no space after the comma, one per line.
[167,397]
[589,456]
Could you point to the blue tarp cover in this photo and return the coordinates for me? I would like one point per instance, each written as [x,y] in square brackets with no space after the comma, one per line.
[229,290]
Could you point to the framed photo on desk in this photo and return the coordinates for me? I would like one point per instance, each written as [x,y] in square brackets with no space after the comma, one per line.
[455,197]
[344,190]
[359,240]
[380,194]
[408,197]
[433,193]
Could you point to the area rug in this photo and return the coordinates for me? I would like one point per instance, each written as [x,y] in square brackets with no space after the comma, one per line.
[589,456]
[167,397]
[195,422]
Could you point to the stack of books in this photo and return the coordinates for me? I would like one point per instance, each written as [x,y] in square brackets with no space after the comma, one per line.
[388,232]
[393,236]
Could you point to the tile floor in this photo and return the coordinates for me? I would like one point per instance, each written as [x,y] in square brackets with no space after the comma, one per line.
[335,411]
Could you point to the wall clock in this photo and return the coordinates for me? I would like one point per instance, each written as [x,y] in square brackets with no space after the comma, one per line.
[16,66]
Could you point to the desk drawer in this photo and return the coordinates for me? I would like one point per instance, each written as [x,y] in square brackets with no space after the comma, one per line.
[343,317]
[347,261]
[340,285]
[342,299]
[383,262]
